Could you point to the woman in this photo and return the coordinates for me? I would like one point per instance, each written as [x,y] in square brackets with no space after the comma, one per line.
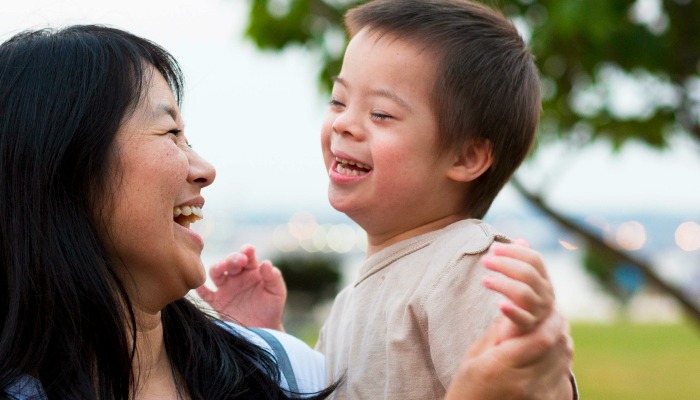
[98,188]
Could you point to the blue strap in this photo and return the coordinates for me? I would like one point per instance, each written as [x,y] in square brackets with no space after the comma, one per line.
[285,365]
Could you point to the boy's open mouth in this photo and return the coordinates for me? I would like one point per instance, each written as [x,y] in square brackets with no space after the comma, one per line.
[186,215]
[353,168]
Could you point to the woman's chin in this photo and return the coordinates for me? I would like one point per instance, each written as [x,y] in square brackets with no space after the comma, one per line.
[198,279]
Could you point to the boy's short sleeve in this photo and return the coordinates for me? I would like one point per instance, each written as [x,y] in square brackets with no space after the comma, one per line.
[458,310]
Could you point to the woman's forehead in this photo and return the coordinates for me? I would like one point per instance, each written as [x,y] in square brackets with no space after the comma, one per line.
[157,99]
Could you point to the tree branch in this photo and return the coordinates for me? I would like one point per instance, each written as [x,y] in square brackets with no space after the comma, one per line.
[322,9]
[690,308]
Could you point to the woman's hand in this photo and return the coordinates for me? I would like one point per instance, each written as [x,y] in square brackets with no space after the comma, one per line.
[527,352]
[536,365]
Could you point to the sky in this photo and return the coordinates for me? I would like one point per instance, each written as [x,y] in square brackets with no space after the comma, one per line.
[256,117]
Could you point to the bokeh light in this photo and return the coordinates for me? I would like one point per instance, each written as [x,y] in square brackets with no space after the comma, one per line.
[567,245]
[304,232]
[631,235]
[302,225]
[361,238]
[688,236]
[341,238]
[283,240]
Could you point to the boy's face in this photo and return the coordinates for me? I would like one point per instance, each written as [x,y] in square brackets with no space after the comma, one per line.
[379,138]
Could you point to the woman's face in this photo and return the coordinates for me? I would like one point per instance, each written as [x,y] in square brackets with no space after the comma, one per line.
[157,181]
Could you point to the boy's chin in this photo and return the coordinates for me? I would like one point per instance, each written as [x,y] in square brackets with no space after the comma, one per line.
[338,203]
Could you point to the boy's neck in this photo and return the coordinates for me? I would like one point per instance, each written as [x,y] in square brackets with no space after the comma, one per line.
[378,241]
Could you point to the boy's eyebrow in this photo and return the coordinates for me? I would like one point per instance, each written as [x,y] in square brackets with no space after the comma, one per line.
[379,92]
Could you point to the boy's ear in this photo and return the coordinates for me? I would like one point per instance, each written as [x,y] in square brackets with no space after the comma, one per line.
[474,159]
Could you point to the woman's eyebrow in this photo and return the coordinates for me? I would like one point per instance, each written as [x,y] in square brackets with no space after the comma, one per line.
[168,109]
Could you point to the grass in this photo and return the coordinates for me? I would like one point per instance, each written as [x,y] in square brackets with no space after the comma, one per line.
[627,361]
[624,361]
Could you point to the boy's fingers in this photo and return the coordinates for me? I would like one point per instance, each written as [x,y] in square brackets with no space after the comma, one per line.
[527,349]
[229,266]
[521,242]
[522,253]
[205,294]
[524,321]
[217,272]
[274,283]
[541,293]
[520,294]
[234,263]
[519,271]
[249,251]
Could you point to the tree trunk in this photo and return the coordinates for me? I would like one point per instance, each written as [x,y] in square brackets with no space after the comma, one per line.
[649,272]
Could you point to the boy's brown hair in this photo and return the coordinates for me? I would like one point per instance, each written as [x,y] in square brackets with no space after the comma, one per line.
[486,82]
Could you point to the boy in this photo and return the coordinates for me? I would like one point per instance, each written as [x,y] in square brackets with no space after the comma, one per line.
[436,105]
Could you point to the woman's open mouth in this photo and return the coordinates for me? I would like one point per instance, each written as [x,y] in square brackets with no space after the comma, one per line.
[186,215]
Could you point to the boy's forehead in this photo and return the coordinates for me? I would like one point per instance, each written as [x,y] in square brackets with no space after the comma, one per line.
[390,39]
[395,50]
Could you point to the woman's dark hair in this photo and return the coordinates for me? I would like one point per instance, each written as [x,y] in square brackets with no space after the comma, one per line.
[65,317]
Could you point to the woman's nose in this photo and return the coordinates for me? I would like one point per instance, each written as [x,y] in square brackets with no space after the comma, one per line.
[201,171]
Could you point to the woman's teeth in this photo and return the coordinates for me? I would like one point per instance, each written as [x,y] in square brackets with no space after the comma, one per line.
[352,168]
[187,214]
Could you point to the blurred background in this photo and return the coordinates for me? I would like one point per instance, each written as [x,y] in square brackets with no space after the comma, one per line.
[610,196]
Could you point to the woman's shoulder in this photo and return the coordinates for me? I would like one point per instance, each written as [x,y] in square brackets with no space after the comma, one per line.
[25,388]
[305,365]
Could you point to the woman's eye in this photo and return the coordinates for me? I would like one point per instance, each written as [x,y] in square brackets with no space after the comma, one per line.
[175,132]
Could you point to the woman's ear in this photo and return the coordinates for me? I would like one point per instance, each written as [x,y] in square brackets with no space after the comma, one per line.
[474,159]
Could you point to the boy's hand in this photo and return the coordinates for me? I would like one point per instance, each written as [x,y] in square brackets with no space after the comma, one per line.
[536,365]
[247,292]
[523,280]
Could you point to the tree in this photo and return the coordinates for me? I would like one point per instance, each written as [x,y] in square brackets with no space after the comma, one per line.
[312,280]
[584,50]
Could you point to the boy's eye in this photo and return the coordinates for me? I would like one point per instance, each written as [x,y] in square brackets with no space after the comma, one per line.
[335,103]
[380,117]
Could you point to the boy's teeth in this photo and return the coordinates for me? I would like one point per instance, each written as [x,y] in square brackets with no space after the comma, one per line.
[346,171]
[341,161]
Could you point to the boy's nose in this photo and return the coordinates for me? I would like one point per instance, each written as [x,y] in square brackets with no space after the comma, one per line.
[346,124]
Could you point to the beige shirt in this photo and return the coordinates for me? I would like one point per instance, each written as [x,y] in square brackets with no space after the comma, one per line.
[402,328]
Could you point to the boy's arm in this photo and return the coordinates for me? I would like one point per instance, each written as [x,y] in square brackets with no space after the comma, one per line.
[526,353]
[247,292]
[535,365]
